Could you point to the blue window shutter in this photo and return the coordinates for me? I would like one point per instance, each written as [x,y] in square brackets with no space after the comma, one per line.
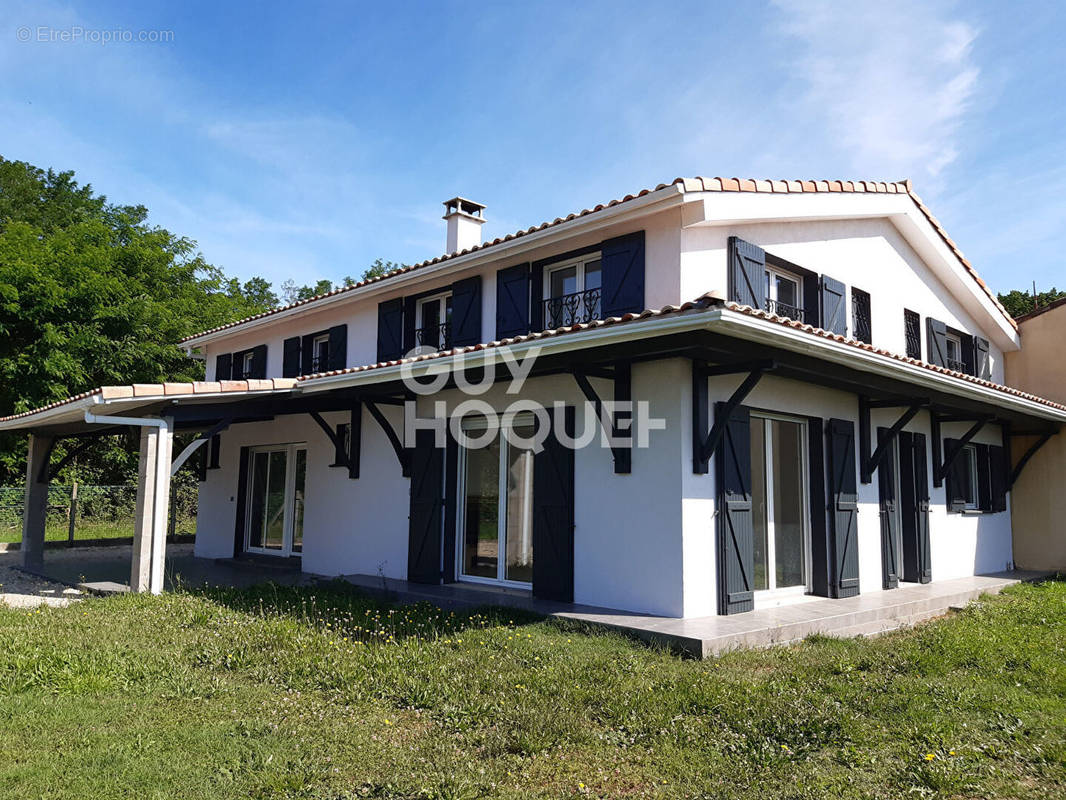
[736,529]
[259,362]
[290,364]
[834,317]
[622,275]
[747,273]
[466,311]
[390,330]
[982,363]
[338,347]
[410,305]
[223,366]
[958,478]
[536,296]
[937,335]
[512,301]
[553,516]
[427,510]
[843,507]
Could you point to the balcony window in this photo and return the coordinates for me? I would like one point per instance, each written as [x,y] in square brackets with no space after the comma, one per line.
[246,366]
[319,354]
[784,292]
[433,323]
[955,359]
[573,292]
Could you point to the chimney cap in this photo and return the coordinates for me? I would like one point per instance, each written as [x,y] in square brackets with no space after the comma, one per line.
[467,208]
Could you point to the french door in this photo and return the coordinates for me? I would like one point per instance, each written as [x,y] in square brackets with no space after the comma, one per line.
[779,464]
[275,512]
[496,513]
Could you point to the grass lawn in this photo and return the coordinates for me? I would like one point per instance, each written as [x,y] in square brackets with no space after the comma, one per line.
[321,693]
[90,529]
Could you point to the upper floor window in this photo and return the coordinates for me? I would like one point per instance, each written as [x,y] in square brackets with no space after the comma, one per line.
[912,333]
[784,293]
[572,290]
[955,360]
[433,322]
[247,366]
[319,354]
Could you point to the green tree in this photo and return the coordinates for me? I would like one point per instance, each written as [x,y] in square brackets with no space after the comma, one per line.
[291,293]
[92,294]
[1019,302]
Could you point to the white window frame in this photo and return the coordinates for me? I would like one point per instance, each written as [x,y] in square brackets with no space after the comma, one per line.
[969,452]
[441,299]
[777,272]
[772,594]
[289,515]
[580,262]
[322,338]
[478,423]
[247,362]
[953,339]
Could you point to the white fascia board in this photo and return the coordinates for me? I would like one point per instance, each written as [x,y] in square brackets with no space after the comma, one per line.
[74,411]
[736,208]
[731,323]
[631,209]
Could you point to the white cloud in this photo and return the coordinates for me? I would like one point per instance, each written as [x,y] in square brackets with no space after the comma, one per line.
[891,82]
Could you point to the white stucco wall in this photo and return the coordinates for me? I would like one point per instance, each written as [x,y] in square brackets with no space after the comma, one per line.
[350,526]
[870,254]
[960,544]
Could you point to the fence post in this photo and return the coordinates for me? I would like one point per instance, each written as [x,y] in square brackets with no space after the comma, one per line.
[72,513]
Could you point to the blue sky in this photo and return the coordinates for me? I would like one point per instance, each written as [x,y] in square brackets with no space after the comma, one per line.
[305,140]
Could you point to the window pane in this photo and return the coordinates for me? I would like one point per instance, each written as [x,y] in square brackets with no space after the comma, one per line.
[482,509]
[969,489]
[274,524]
[431,314]
[786,443]
[787,291]
[592,274]
[298,502]
[758,501]
[563,281]
[519,532]
[769,296]
[258,504]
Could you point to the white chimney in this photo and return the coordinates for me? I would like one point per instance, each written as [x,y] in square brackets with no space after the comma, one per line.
[464,223]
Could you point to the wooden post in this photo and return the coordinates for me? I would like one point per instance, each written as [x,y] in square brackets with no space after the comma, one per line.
[35,509]
[72,513]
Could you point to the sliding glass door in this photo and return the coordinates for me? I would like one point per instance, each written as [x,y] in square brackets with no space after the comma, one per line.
[275,510]
[779,504]
[496,530]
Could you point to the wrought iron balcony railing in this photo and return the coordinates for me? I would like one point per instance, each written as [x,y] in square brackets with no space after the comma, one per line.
[956,365]
[797,313]
[572,309]
[436,336]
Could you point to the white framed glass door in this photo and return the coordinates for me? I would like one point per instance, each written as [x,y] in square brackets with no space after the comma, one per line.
[781,519]
[495,531]
[275,512]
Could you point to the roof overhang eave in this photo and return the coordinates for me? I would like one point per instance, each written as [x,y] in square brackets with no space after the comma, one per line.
[720,320]
[511,248]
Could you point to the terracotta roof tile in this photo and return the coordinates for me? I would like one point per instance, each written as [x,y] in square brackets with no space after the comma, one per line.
[163,390]
[707,301]
[686,185]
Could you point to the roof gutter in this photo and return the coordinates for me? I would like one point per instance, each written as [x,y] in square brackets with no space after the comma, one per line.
[735,323]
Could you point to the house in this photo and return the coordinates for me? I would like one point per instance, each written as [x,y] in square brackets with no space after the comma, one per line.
[799,391]
[1039,503]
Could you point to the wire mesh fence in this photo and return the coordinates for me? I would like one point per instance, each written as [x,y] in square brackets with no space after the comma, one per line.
[86,511]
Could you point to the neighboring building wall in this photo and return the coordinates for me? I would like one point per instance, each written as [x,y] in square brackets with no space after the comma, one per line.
[1039,500]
